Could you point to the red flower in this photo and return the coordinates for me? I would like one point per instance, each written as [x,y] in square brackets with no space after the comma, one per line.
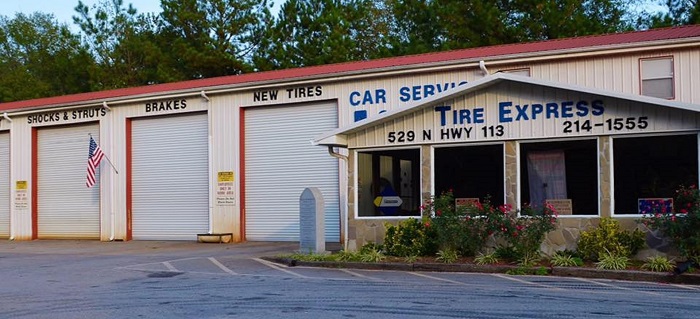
[427,224]
[438,212]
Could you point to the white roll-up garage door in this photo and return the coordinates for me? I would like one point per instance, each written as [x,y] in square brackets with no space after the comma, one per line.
[280,163]
[170,177]
[4,185]
[66,207]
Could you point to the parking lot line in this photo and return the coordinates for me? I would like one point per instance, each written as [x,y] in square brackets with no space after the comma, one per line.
[220,265]
[436,278]
[696,288]
[526,282]
[170,266]
[614,286]
[273,266]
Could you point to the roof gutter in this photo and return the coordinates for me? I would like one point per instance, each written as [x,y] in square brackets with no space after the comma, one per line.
[389,71]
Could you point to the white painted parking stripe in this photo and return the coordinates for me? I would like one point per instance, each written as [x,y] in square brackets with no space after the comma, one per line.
[352,273]
[613,286]
[220,265]
[436,278]
[526,282]
[170,266]
[685,287]
[273,266]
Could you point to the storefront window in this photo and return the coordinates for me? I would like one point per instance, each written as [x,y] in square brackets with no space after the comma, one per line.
[564,174]
[471,172]
[388,183]
[652,168]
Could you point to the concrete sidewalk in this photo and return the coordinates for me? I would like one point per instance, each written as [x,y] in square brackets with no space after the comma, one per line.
[135,248]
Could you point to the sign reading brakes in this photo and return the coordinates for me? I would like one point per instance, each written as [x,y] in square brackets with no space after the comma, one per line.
[169,105]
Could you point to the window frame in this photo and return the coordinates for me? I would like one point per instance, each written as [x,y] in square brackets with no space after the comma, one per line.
[356,168]
[672,76]
[612,164]
[432,163]
[519,196]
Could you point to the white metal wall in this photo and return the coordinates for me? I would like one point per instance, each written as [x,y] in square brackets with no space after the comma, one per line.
[4,185]
[280,163]
[170,177]
[66,207]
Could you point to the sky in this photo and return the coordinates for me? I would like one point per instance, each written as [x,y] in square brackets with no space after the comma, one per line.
[64,10]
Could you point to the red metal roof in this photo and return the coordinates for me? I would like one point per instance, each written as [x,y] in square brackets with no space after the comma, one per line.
[482,52]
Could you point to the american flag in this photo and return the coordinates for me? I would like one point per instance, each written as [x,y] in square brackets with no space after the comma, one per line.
[94,157]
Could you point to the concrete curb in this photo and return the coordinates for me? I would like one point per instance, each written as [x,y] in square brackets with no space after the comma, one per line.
[628,275]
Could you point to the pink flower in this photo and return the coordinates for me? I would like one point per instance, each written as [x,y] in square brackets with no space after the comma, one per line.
[684,211]
[439,213]
[673,218]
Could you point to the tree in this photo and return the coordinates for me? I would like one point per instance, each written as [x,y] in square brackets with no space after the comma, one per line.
[678,12]
[122,42]
[213,37]
[316,32]
[40,58]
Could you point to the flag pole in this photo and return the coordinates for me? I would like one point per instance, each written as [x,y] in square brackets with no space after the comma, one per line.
[107,158]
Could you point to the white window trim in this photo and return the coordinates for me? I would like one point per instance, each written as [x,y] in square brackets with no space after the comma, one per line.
[532,141]
[672,75]
[356,171]
[612,166]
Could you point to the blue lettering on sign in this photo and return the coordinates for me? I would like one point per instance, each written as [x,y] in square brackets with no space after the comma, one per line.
[367,97]
[418,92]
[510,112]
[406,94]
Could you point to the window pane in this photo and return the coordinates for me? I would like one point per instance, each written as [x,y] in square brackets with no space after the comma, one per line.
[560,171]
[652,167]
[388,183]
[661,88]
[470,172]
[656,68]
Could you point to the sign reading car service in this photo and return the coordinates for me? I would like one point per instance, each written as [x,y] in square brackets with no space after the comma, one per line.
[168,105]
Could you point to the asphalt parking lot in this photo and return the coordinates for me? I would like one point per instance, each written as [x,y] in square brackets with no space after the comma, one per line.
[80,279]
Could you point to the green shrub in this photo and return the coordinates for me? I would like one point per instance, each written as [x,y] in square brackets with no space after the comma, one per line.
[447,256]
[530,259]
[658,264]
[560,260]
[410,237]
[608,237]
[682,225]
[611,261]
[486,259]
[371,256]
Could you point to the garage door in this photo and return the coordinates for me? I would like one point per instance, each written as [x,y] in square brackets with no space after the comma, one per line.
[280,162]
[66,207]
[170,177]
[4,185]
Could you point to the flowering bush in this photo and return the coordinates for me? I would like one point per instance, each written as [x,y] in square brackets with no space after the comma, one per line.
[682,225]
[467,228]
[455,227]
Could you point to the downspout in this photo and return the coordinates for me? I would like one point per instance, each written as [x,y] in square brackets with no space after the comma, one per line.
[332,152]
[113,228]
[210,165]
[12,233]
[482,66]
